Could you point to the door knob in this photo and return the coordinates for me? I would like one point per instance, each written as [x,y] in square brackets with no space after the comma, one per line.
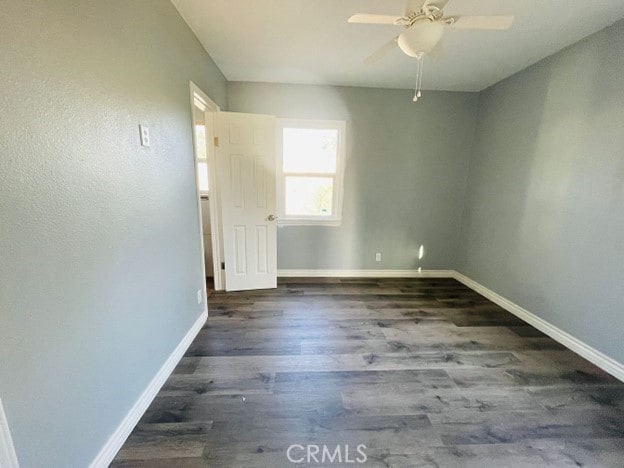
[272,217]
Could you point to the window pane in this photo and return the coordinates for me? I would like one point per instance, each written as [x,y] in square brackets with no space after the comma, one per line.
[200,140]
[202,176]
[310,150]
[309,196]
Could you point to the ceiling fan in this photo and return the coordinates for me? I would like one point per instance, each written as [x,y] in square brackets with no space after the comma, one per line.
[424,23]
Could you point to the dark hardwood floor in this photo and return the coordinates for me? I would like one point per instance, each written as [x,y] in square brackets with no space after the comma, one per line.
[423,372]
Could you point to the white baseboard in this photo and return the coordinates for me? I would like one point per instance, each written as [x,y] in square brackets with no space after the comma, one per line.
[119,436]
[8,457]
[365,274]
[610,365]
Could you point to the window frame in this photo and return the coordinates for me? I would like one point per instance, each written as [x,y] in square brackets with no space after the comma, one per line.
[338,177]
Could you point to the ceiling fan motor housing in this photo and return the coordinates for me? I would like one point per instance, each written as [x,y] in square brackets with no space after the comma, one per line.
[421,38]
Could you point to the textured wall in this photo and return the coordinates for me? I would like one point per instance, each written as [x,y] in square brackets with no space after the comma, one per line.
[405,173]
[545,214]
[99,242]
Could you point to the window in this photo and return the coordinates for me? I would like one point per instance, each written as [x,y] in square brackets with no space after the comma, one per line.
[310,171]
[201,152]
[202,159]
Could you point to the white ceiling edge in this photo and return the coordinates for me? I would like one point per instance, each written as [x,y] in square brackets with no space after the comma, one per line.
[556,52]
[582,28]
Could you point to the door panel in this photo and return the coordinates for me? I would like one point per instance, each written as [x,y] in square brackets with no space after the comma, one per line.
[263,249]
[246,173]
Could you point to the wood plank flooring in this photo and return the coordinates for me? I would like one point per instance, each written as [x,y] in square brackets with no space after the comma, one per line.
[424,372]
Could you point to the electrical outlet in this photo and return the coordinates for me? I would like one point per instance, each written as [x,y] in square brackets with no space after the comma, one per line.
[199,296]
[145,136]
[378,257]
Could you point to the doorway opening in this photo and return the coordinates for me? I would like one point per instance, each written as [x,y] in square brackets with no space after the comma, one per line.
[203,112]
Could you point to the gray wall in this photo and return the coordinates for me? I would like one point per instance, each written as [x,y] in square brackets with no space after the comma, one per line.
[405,173]
[99,242]
[99,238]
[544,223]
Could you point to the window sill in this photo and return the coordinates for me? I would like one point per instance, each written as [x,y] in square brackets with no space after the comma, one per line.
[283,222]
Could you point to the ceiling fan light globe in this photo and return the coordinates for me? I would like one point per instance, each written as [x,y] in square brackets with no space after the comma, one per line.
[420,38]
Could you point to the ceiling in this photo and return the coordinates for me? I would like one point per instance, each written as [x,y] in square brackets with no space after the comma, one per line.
[309,41]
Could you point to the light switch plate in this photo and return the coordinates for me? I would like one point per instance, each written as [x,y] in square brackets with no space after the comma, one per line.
[145,136]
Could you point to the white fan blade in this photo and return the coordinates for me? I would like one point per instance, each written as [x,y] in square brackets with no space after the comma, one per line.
[364,18]
[497,23]
[413,6]
[439,4]
[381,52]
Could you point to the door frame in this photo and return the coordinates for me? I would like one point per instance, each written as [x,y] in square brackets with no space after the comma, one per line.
[196,94]
[8,457]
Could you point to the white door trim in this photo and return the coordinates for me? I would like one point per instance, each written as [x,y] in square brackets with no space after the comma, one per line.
[8,457]
[213,199]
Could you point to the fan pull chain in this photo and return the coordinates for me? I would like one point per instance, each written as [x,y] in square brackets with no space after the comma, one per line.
[419,73]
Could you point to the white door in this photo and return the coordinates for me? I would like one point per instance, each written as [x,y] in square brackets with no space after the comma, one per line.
[246,177]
